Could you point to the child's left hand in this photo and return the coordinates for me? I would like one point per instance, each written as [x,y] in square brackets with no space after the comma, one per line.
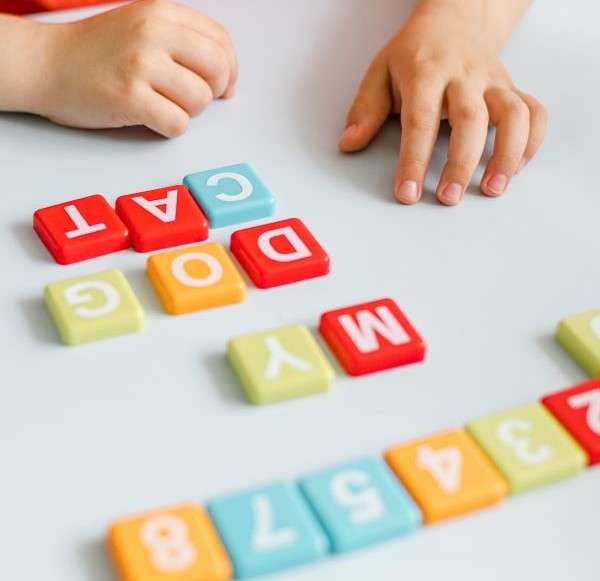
[443,64]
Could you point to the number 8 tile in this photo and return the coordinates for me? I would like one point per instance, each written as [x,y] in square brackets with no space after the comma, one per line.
[528,446]
[176,543]
[268,529]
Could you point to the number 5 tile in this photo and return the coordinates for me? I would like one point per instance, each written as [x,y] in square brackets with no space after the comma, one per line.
[529,446]
[360,503]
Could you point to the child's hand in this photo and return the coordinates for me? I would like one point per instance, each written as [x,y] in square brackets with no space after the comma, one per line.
[152,63]
[443,64]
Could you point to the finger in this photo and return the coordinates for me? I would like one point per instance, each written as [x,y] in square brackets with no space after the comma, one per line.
[159,113]
[510,116]
[538,124]
[468,118]
[187,16]
[203,56]
[183,87]
[420,119]
[371,107]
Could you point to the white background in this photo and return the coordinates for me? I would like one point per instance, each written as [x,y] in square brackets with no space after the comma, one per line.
[96,432]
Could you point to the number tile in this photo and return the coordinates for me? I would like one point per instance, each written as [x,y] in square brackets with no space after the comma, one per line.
[162,218]
[231,195]
[279,253]
[178,543]
[360,503]
[280,364]
[580,337]
[80,229]
[528,445]
[93,307]
[578,410]
[447,474]
[371,336]
[195,278]
[267,529]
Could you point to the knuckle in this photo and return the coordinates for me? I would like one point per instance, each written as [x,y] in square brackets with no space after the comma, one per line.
[177,125]
[517,108]
[509,162]
[136,62]
[412,166]
[420,118]
[471,113]
[145,29]
[540,112]
[202,99]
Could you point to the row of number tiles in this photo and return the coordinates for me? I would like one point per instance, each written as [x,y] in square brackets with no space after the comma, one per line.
[352,505]
[181,214]
[187,279]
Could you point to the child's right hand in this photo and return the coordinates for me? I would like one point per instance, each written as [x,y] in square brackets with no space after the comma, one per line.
[152,63]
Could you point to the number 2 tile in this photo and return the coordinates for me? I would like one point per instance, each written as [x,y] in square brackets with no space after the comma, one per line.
[447,474]
[360,503]
[578,410]
[268,529]
[529,446]
[178,543]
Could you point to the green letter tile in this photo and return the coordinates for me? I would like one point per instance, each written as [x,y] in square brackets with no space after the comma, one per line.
[528,446]
[93,307]
[580,336]
[279,364]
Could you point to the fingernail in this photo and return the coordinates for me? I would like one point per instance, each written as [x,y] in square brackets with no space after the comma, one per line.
[407,192]
[451,194]
[497,184]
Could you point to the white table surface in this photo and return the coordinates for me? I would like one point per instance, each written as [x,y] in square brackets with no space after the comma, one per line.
[93,433]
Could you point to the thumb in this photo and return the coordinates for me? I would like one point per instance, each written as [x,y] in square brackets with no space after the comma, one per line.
[371,107]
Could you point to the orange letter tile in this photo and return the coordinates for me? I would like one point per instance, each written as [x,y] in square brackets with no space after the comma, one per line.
[195,278]
[447,474]
[175,544]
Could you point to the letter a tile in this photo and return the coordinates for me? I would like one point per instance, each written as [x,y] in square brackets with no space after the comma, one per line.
[279,253]
[371,336]
[280,364]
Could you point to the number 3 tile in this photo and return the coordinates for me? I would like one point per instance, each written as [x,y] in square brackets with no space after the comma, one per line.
[528,446]
[360,503]
[176,543]
[267,529]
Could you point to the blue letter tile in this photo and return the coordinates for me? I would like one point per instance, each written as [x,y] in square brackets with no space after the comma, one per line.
[231,195]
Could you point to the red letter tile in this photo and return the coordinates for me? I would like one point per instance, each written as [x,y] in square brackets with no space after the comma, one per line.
[279,253]
[162,218]
[371,336]
[578,410]
[80,229]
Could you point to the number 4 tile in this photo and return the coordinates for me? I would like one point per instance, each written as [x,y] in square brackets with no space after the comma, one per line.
[447,474]
[178,542]
[578,410]
[268,529]
[360,503]
[279,364]
[528,446]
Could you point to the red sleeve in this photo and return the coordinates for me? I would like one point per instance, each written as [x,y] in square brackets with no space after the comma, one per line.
[29,6]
